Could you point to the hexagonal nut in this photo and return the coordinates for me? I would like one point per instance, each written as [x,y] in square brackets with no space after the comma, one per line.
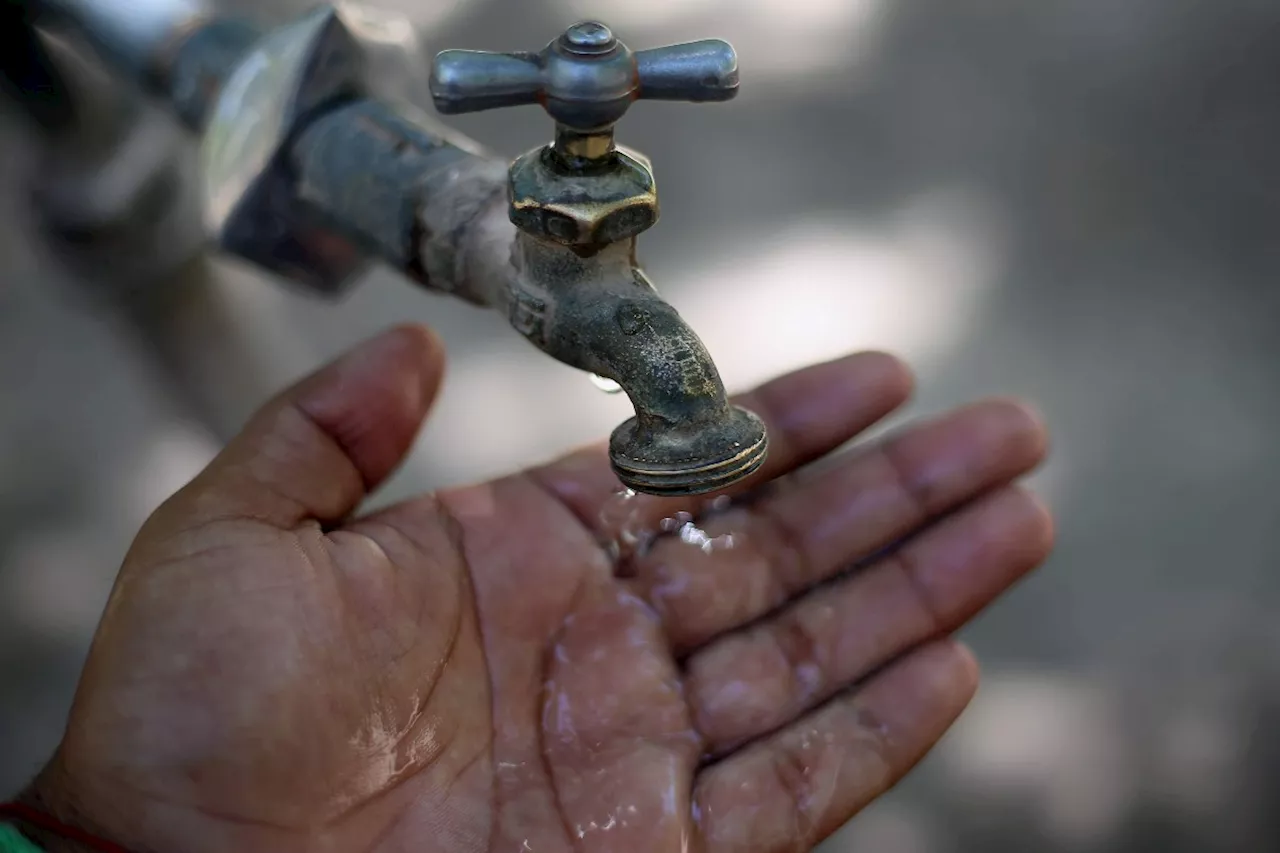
[250,208]
[576,209]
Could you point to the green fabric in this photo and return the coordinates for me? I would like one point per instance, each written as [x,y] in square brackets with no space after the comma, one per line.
[12,841]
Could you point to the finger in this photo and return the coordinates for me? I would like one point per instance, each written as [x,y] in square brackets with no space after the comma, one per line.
[317,449]
[787,793]
[807,413]
[753,682]
[805,534]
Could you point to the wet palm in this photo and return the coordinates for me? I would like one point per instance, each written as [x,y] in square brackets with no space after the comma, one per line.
[468,672]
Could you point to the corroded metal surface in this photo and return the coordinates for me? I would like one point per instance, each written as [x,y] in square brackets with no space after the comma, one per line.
[579,203]
[600,313]
[586,78]
[609,199]
[359,166]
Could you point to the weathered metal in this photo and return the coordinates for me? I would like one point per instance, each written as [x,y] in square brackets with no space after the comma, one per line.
[579,203]
[402,189]
[600,313]
[590,202]
[586,79]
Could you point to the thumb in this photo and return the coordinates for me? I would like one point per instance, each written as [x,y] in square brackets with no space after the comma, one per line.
[316,450]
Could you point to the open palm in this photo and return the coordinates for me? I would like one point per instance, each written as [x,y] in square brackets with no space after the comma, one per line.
[470,671]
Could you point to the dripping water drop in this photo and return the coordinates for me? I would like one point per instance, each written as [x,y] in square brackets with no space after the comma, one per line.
[605,384]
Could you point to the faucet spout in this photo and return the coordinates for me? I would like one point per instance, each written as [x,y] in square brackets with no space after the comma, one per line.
[598,312]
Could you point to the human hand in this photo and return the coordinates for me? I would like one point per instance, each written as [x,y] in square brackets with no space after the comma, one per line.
[465,672]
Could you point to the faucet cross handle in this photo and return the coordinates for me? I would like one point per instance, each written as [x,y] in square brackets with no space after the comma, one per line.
[585,79]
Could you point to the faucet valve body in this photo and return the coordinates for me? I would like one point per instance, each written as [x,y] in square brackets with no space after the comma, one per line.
[581,190]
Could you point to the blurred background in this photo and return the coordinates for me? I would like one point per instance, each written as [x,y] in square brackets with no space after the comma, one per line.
[1077,201]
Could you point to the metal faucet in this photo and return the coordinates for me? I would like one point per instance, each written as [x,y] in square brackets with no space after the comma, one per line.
[579,204]
[306,175]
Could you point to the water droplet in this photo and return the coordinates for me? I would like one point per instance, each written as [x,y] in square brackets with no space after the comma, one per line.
[605,384]
[622,523]
[628,534]
[676,522]
[687,531]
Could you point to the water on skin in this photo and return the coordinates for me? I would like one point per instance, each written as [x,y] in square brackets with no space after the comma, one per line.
[622,517]
[628,519]
[608,682]
[629,535]
[631,531]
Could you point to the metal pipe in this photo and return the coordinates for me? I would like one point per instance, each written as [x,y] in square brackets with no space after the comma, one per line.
[412,194]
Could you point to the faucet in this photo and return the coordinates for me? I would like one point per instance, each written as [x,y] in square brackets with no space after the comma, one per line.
[309,175]
[579,204]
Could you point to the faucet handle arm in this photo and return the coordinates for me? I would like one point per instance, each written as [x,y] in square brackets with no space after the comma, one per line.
[697,71]
[585,79]
[468,81]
